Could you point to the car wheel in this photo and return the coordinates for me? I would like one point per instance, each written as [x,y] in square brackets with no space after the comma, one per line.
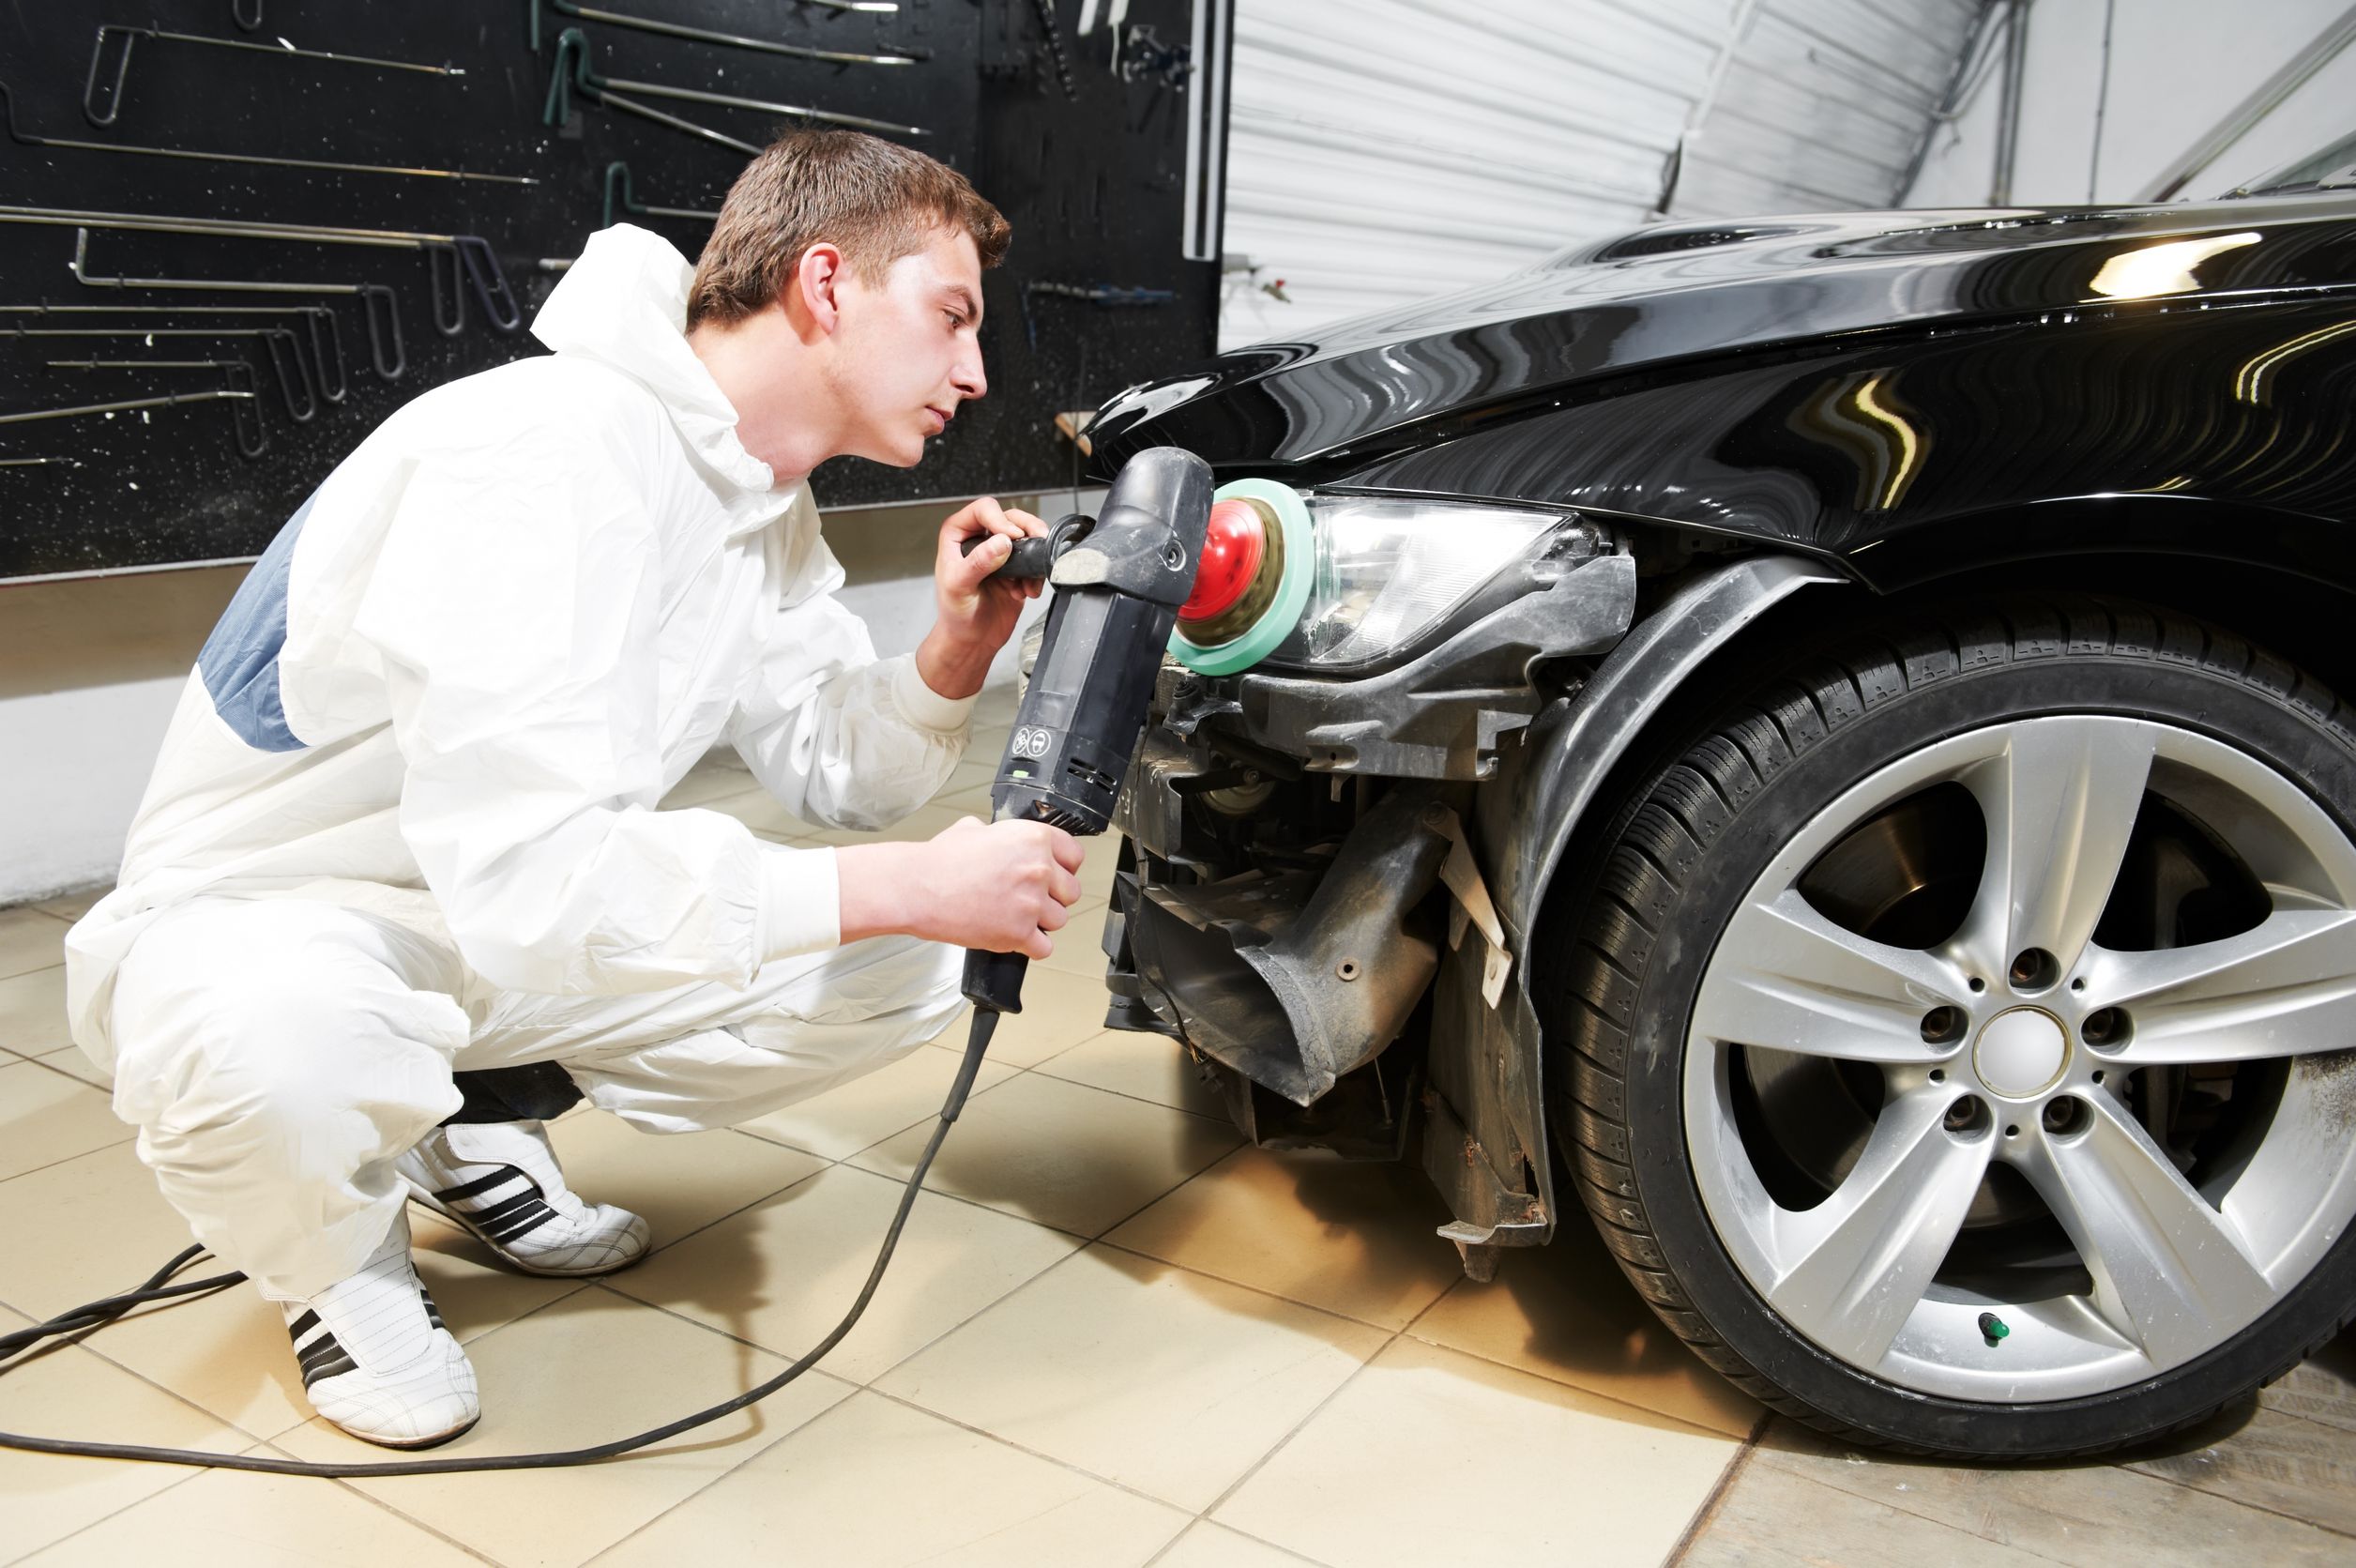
[1960,1031]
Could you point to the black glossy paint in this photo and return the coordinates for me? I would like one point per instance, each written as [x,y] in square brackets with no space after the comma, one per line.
[1906,393]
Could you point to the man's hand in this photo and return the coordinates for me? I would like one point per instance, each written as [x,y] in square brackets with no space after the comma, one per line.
[975,614]
[999,886]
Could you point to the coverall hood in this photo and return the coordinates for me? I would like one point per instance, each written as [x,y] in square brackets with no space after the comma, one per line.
[624,305]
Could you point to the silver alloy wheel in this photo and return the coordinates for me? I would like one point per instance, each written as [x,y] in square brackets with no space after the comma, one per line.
[2028,1068]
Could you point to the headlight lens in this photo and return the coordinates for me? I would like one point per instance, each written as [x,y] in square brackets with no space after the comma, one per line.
[1389,569]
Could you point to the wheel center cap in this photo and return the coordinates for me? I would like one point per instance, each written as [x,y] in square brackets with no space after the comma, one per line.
[2020,1051]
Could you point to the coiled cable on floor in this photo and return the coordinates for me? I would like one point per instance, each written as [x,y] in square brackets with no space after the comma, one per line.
[105,1310]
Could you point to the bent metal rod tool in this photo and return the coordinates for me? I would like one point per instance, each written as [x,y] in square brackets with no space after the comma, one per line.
[237,375]
[570,73]
[283,50]
[704,34]
[623,196]
[134,406]
[26,137]
[326,335]
[379,305]
[470,256]
[285,354]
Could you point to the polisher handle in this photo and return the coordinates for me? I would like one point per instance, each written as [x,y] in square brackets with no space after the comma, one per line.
[994,980]
[1030,557]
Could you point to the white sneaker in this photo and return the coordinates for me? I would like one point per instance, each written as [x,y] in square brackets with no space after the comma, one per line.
[375,1358]
[501,1181]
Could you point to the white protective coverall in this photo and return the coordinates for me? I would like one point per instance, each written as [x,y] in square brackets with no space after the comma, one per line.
[404,820]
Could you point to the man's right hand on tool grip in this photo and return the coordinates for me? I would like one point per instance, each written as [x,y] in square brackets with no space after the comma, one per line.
[1001,887]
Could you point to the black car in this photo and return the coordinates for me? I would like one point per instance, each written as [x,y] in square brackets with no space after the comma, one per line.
[1820,741]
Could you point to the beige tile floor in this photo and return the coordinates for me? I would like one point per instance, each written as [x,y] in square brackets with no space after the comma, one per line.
[1112,1334]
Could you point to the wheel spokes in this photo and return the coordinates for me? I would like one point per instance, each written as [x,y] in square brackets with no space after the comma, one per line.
[2279,989]
[2060,803]
[1854,1268]
[1784,975]
[2171,1274]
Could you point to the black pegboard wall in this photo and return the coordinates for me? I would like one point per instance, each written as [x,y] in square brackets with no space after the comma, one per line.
[1087,162]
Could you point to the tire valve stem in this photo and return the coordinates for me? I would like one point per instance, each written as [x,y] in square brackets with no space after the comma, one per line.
[1993,1327]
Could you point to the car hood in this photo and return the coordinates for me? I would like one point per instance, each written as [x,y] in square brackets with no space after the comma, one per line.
[1676,294]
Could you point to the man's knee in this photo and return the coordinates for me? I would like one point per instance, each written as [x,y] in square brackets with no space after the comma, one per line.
[264,1020]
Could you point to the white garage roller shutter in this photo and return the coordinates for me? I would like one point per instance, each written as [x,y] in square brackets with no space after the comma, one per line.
[1383,150]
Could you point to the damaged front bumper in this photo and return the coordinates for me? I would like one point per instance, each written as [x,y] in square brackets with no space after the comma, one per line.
[1301,902]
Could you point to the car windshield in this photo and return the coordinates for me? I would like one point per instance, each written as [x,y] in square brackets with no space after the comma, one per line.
[2332,168]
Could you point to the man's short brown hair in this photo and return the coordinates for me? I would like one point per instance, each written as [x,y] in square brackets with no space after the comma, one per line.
[875,200]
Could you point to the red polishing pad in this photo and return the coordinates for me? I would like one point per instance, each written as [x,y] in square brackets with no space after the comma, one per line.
[1233,546]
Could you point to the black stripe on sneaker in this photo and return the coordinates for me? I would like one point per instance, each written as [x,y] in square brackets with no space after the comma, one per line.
[522,1222]
[323,1353]
[497,1213]
[433,1313]
[466,1190]
[303,1325]
[334,1367]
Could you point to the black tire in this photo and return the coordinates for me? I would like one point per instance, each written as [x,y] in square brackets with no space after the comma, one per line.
[1693,839]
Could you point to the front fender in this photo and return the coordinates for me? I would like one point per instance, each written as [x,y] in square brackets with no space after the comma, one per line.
[1572,747]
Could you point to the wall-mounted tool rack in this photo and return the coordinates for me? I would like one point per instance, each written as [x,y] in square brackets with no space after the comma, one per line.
[203,202]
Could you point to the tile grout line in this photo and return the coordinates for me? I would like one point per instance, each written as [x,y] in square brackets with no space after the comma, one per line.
[351,1489]
[85,1528]
[989,1436]
[1171,1544]
[1707,1514]
[1282,1443]
[192,1471]
[1273,1449]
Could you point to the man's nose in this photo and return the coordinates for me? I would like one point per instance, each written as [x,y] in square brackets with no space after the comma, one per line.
[969,378]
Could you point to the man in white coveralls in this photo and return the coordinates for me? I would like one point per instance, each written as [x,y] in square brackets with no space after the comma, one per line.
[403,824]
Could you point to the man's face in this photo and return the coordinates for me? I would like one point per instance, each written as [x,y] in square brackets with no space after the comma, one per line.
[907,355]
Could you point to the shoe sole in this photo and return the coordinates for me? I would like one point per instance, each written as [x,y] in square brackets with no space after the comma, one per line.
[422,1201]
[406,1444]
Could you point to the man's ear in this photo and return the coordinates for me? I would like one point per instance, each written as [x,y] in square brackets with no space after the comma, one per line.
[818,283]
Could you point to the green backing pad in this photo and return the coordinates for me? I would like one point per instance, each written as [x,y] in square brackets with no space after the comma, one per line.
[1292,589]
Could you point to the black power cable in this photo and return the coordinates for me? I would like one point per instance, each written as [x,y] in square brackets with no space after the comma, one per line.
[107,1309]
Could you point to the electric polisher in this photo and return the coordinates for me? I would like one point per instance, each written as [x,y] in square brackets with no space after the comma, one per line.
[1121,587]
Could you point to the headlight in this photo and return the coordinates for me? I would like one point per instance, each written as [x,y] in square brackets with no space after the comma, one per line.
[1389,569]
[1329,582]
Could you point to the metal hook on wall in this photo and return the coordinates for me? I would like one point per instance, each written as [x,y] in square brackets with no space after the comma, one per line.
[619,192]
[285,357]
[390,356]
[245,417]
[570,73]
[128,405]
[238,13]
[130,36]
[323,329]
[26,138]
[704,34]
[283,348]
[474,259]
